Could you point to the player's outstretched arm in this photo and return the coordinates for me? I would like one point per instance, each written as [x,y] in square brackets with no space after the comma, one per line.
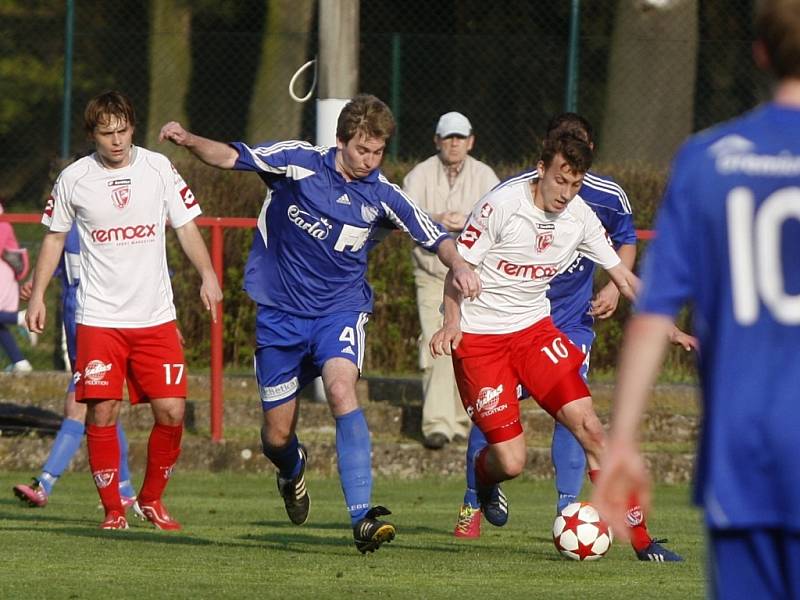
[195,249]
[211,152]
[623,470]
[46,263]
[448,337]
[464,277]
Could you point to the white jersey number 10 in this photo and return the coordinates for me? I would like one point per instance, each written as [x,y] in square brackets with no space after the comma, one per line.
[754,245]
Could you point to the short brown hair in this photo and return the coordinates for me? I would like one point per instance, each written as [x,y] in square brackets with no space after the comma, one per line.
[365,114]
[110,103]
[575,150]
[777,26]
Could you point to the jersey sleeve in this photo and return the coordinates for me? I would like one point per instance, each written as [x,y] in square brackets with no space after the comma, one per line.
[480,232]
[667,270]
[618,222]
[182,206]
[404,213]
[596,244]
[58,213]
[271,158]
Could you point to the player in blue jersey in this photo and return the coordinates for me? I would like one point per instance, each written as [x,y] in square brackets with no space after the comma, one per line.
[70,434]
[573,309]
[728,242]
[307,273]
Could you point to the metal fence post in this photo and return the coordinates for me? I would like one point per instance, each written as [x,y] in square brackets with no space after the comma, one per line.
[397,48]
[66,111]
[571,93]
[216,339]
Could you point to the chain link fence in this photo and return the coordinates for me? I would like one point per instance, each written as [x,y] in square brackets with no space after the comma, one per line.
[648,73]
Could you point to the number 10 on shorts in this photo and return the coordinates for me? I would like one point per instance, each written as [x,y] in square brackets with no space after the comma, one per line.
[173,374]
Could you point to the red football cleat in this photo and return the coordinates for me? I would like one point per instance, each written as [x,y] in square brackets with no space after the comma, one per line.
[34,494]
[114,520]
[157,514]
[469,522]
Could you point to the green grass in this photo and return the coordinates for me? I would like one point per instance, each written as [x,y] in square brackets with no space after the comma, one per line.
[238,543]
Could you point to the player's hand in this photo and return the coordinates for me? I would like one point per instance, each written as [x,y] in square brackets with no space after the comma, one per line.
[25,289]
[623,481]
[679,338]
[605,302]
[467,282]
[181,339]
[211,294]
[445,341]
[175,133]
[35,315]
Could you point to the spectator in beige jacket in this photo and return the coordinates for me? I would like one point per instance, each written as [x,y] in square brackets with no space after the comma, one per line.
[446,185]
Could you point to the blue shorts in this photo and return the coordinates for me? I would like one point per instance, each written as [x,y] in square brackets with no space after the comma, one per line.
[582,337]
[69,303]
[291,350]
[754,563]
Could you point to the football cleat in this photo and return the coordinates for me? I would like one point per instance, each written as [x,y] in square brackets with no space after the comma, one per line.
[370,532]
[294,492]
[494,504]
[469,522]
[157,514]
[34,494]
[655,552]
[114,520]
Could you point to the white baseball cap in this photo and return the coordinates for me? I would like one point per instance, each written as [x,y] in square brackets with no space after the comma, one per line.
[453,123]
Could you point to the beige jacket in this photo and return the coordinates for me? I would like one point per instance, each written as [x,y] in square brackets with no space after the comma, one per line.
[427,185]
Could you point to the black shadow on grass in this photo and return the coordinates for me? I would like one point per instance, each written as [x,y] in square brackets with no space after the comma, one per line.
[27,514]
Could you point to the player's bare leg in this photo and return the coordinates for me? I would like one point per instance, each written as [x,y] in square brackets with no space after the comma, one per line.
[163,450]
[280,445]
[581,419]
[353,451]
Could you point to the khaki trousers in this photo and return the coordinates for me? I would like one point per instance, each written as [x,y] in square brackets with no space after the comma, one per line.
[442,410]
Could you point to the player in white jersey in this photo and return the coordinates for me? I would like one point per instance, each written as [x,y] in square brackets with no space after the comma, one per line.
[121,197]
[518,238]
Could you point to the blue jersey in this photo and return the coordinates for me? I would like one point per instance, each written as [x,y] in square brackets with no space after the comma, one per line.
[728,242]
[570,293]
[309,253]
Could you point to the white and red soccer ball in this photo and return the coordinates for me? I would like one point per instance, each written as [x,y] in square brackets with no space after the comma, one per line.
[580,533]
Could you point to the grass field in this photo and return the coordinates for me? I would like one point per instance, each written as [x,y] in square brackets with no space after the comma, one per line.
[237,543]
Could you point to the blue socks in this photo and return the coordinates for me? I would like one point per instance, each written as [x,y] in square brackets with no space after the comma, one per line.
[66,444]
[354,459]
[475,443]
[286,459]
[569,461]
[125,487]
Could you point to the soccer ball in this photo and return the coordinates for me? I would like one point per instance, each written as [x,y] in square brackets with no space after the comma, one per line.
[580,533]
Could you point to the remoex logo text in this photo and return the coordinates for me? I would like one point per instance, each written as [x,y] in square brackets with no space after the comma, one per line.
[535,272]
[121,234]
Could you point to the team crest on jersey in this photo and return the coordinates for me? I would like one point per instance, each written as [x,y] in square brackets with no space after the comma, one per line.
[544,241]
[469,236]
[121,196]
[102,479]
[369,213]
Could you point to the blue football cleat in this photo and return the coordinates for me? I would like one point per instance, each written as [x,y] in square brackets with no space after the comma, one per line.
[493,504]
[655,552]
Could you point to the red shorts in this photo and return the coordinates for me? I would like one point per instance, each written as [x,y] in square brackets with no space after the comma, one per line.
[150,359]
[489,367]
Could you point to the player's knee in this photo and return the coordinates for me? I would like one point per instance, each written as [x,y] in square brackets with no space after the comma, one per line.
[342,395]
[512,464]
[594,434]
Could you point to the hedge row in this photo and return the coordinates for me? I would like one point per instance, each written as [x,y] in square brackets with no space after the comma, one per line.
[394,327]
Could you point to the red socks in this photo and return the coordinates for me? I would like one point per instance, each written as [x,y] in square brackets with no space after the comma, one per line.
[163,450]
[640,537]
[103,446]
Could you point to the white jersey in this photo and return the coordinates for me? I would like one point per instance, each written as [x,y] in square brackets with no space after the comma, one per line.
[518,249]
[121,216]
